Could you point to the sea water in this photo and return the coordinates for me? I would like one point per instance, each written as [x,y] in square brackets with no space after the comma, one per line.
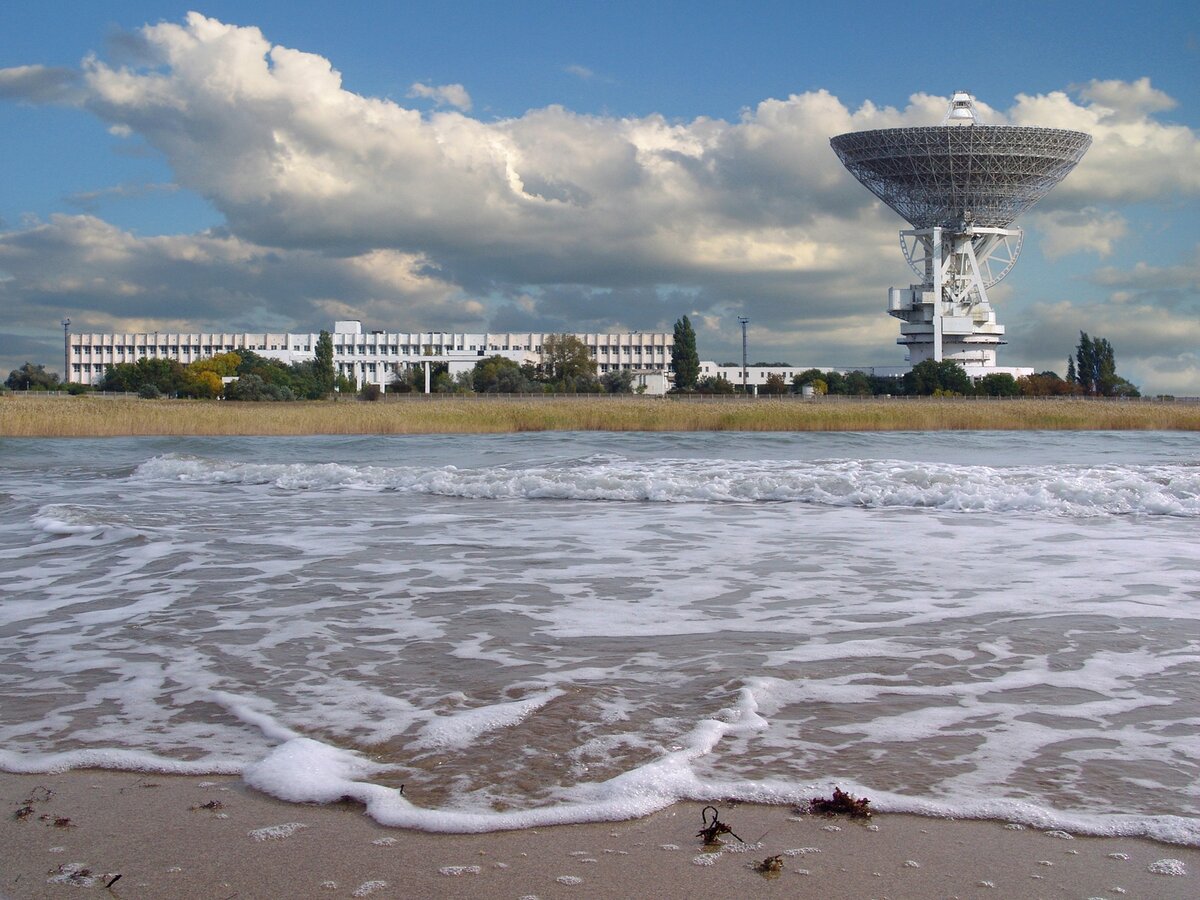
[527,629]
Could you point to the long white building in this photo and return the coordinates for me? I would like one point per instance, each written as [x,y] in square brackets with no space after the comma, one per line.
[367,357]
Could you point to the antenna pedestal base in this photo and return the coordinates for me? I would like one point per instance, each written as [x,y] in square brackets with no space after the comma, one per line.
[947,315]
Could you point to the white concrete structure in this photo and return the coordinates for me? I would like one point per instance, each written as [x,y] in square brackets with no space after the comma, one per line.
[368,357]
[756,376]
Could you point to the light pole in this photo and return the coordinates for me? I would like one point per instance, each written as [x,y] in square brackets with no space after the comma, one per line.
[66,324]
[744,322]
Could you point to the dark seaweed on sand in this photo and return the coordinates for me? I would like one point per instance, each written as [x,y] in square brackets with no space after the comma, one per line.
[841,804]
[713,830]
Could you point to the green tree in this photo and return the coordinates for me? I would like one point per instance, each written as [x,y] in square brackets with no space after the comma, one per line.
[323,372]
[168,376]
[886,384]
[404,380]
[253,387]
[774,385]
[1047,384]
[714,384]
[943,378]
[411,380]
[32,378]
[684,358]
[442,383]
[808,376]
[1096,369]
[499,375]
[998,384]
[618,381]
[857,384]
[1087,365]
[580,384]
[835,382]
[565,358]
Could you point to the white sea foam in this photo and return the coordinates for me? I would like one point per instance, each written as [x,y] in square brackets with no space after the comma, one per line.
[1173,867]
[276,832]
[464,727]
[987,637]
[878,484]
[65,519]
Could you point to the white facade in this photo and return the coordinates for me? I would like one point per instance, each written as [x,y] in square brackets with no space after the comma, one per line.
[756,376]
[366,357]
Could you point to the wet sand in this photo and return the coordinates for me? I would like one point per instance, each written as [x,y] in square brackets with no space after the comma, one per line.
[189,837]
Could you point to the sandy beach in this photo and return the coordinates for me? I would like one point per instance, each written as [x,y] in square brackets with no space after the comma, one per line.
[215,838]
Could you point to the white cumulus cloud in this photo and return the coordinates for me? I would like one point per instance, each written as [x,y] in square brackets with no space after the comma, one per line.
[443,94]
[548,219]
[1087,230]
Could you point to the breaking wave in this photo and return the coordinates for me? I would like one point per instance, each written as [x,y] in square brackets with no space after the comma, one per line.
[1107,490]
[72,520]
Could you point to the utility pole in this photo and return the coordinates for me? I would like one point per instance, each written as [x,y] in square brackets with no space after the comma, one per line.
[744,322]
[66,324]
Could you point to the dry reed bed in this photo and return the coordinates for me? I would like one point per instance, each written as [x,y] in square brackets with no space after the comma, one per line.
[111,417]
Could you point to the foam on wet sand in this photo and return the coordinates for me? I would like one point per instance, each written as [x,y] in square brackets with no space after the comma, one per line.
[146,832]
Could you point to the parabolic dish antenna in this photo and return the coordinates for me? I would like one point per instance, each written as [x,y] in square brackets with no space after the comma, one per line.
[960,185]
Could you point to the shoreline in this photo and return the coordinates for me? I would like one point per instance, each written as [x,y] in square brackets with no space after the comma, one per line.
[190,836]
[84,416]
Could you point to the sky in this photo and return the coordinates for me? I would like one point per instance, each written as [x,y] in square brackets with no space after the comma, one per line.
[578,167]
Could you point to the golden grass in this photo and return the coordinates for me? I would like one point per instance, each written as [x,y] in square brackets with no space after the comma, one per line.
[33,416]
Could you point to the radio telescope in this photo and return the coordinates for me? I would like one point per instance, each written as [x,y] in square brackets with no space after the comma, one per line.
[960,185]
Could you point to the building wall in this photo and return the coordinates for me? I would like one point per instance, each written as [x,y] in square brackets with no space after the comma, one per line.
[756,376]
[367,357]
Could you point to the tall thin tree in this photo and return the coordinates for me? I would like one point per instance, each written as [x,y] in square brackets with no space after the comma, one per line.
[684,358]
[323,363]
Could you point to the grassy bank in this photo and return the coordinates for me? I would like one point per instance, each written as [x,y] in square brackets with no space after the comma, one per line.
[31,416]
